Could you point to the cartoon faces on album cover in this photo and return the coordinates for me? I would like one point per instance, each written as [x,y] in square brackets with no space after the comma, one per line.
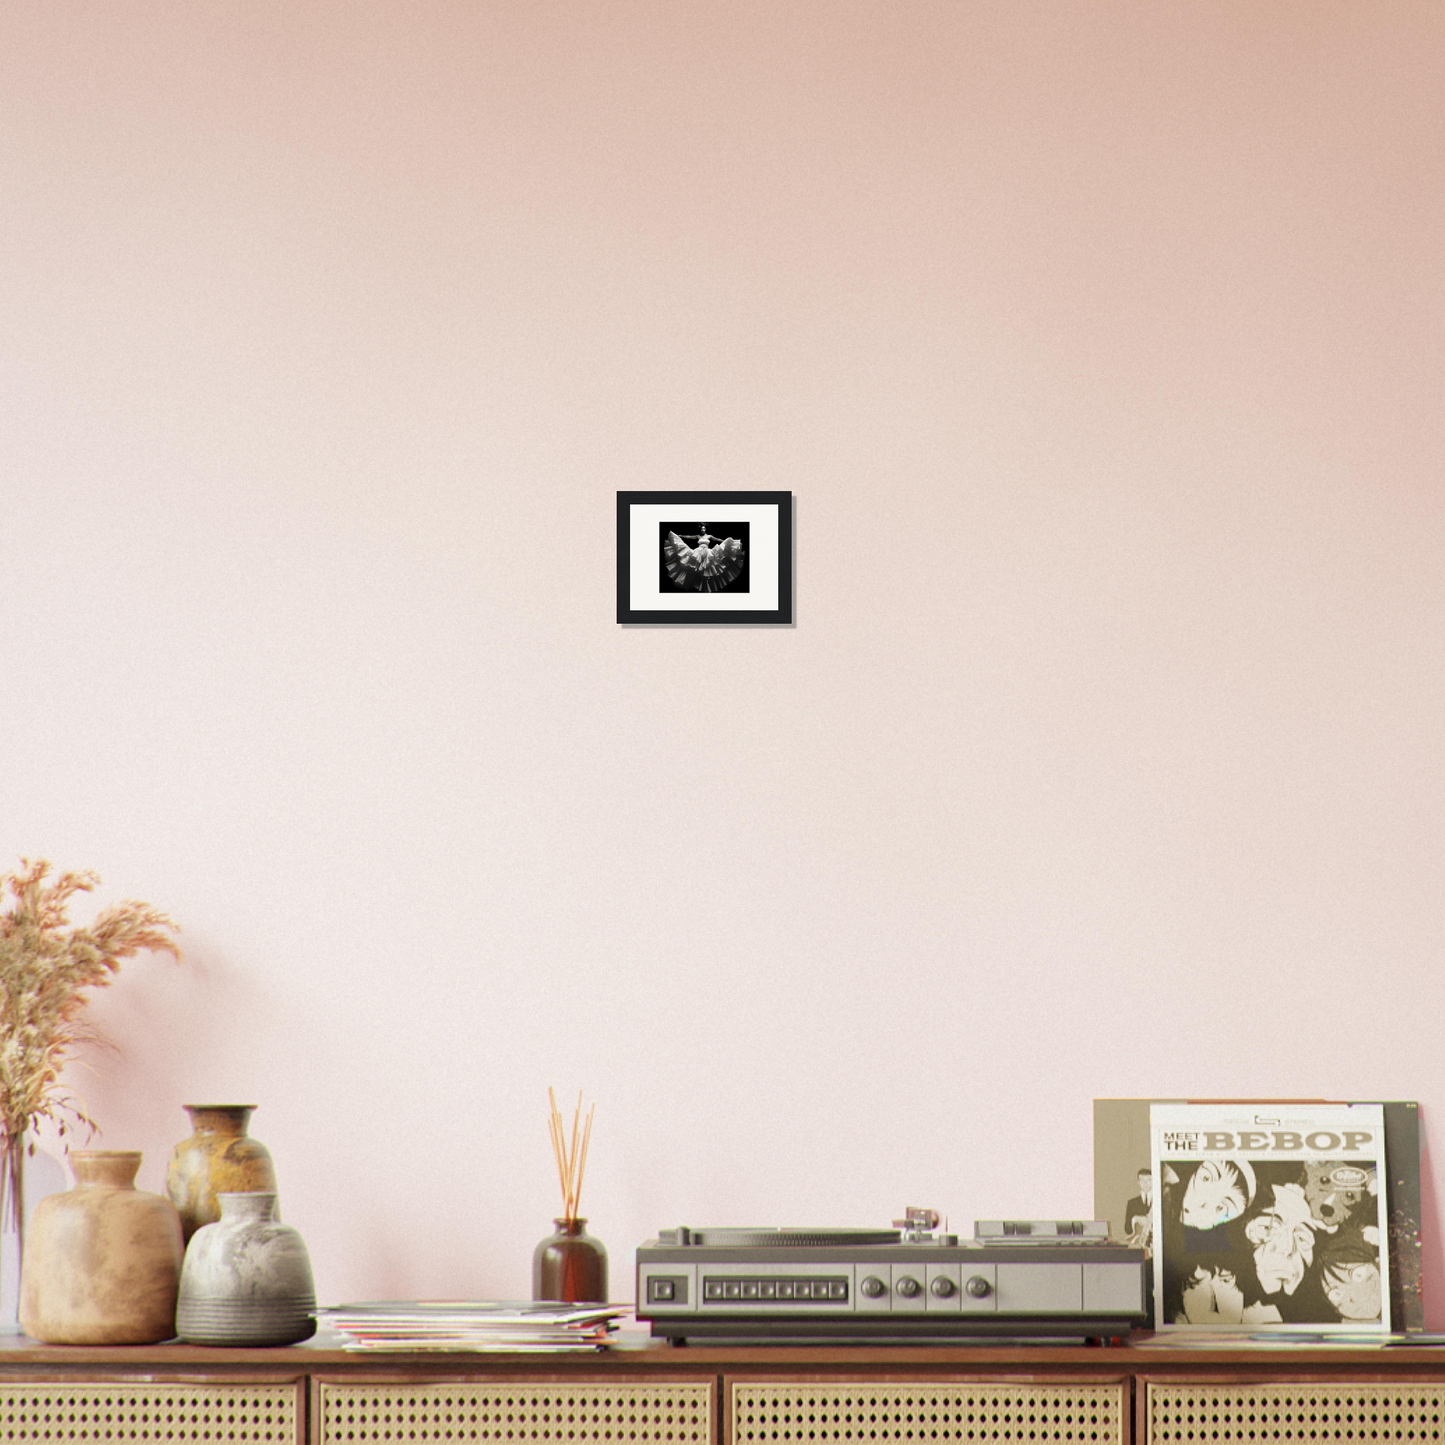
[1252,1242]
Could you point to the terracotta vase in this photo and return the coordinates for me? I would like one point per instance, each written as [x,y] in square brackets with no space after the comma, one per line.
[220,1157]
[570,1265]
[102,1262]
[247,1279]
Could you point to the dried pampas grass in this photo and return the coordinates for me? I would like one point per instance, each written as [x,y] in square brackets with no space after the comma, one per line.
[46,971]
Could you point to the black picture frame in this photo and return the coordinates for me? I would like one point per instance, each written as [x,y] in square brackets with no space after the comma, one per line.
[749,535]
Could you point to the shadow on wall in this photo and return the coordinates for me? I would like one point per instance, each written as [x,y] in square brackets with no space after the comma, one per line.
[169,1031]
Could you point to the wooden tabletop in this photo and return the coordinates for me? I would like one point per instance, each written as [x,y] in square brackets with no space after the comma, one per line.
[633,1349]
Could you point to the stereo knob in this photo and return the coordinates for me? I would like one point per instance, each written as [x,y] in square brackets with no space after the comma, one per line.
[942,1286]
[872,1286]
[978,1286]
[908,1287]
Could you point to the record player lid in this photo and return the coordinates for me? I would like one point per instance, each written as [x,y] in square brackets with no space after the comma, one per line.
[768,1237]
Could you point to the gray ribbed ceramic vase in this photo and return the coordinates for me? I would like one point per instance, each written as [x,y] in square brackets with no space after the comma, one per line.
[246,1279]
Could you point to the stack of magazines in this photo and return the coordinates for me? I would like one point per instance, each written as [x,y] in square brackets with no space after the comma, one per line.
[472,1325]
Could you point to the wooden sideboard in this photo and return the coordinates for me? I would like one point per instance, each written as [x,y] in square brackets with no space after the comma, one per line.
[646,1393]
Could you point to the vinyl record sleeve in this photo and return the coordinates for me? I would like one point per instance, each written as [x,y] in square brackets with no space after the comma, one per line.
[1270,1218]
[1123,1184]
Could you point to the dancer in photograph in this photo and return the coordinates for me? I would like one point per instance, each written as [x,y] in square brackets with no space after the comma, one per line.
[711,565]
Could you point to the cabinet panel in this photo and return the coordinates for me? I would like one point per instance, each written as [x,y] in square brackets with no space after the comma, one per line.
[1190,1414]
[186,1414]
[619,1413]
[774,1413]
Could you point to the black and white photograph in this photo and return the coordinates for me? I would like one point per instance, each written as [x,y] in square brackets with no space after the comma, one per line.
[704,557]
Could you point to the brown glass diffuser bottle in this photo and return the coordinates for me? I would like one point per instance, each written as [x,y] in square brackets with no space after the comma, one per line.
[570,1266]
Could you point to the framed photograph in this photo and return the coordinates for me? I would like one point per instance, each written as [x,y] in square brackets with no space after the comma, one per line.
[695,557]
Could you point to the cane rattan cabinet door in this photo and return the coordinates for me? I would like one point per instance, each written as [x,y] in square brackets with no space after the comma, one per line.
[768,1412]
[1384,1413]
[618,1412]
[90,1413]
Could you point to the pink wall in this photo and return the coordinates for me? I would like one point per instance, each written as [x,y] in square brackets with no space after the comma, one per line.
[1101,343]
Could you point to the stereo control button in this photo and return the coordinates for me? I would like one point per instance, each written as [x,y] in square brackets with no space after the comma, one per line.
[942,1286]
[978,1286]
[873,1287]
[908,1287]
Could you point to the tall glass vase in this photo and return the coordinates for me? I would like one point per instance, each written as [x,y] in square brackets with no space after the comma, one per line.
[12,1231]
[28,1177]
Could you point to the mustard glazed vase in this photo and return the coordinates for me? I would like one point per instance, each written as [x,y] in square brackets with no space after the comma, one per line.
[219,1158]
[102,1262]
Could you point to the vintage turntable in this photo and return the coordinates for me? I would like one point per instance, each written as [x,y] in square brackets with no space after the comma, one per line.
[1056,1279]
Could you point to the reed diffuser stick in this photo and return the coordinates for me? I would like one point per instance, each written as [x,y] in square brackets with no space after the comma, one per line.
[570,1154]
